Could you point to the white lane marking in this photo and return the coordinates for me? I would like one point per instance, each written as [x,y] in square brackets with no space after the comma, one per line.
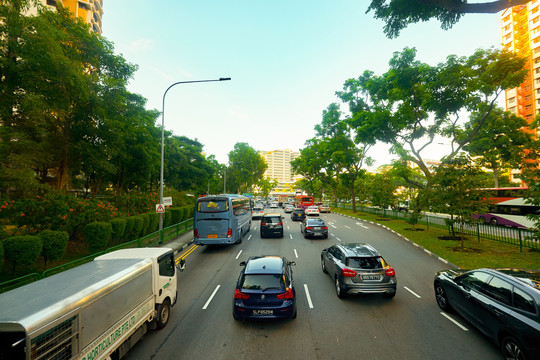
[295,253]
[290,235]
[287,227]
[211,297]
[348,227]
[454,321]
[412,292]
[362,225]
[332,225]
[238,255]
[308,296]
[249,237]
[338,239]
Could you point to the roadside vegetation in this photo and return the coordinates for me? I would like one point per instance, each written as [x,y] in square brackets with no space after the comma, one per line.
[475,254]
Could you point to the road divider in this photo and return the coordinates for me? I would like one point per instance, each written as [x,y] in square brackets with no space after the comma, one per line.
[186,254]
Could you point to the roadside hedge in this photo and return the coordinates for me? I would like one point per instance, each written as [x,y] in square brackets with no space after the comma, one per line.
[146,223]
[22,250]
[54,244]
[167,218]
[138,223]
[176,214]
[118,228]
[97,235]
[154,222]
[1,254]
[130,222]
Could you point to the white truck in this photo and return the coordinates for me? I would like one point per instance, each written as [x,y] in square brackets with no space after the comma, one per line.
[98,310]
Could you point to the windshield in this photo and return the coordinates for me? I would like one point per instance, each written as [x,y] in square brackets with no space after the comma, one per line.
[206,206]
[365,262]
[263,281]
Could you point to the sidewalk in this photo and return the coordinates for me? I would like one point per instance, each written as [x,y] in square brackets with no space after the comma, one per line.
[181,242]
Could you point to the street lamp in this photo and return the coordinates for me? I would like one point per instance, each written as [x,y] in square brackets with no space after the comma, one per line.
[163,146]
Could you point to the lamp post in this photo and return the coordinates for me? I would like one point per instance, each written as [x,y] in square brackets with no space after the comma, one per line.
[163,145]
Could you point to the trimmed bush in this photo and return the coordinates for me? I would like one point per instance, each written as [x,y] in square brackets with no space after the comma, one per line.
[184,213]
[167,218]
[54,244]
[138,223]
[118,228]
[146,223]
[153,225]
[22,250]
[1,254]
[190,211]
[130,222]
[176,215]
[97,235]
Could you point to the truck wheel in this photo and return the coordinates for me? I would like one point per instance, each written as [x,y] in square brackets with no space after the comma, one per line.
[163,314]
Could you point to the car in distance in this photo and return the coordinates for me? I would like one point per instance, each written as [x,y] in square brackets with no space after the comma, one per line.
[298,214]
[314,227]
[265,289]
[357,268]
[257,212]
[273,205]
[312,210]
[504,304]
[271,224]
[289,208]
[324,208]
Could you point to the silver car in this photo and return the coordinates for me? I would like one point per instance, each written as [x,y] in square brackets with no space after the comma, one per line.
[357,268]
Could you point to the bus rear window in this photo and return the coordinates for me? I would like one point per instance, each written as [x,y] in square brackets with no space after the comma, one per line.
[207,206]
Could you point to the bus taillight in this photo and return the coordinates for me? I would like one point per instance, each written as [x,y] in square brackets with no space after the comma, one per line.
[195,233]
[229,233]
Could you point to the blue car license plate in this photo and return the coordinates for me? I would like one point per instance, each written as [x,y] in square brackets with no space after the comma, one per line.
[263,312]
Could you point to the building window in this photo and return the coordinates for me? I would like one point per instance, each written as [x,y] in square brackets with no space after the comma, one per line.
[84,6]
[51,2]
[512,100]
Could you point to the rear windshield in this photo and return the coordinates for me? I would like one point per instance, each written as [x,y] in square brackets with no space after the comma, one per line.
[207,206]
[299,211]
[365,262]
[271,219]
[257,209]
[263,281]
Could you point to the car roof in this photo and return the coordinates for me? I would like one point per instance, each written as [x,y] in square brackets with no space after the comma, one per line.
[358,250]
[264,265]
[530,278]
[319,220]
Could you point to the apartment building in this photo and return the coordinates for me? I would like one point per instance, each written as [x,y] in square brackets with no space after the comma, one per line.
[279,165]
[91,11]
[520,31]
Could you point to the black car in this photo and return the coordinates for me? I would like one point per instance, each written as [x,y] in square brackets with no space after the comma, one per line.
[298,214]
[314,228]
[357,268]
[265,289]
[504,304]
[271,224]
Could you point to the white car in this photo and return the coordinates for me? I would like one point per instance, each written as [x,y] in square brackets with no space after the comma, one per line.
[274,205]
[312,210]
[289,208]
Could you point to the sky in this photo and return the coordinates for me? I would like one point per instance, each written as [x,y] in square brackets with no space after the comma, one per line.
[286,59]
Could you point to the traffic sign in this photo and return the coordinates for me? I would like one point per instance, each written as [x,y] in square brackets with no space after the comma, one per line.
[167,201]
[160,208]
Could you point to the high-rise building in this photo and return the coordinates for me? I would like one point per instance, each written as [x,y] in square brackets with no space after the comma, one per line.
[279,164]
[521,34]
[91,11]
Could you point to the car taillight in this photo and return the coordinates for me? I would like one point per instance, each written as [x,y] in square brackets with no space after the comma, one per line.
[263,223]
[309,228]
[325,228]
[348,272]
[229,233]
[240,295]
[390,272]
[196,233]
[286,295]
[280,223]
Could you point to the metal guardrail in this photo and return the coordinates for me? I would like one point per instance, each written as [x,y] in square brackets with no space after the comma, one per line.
[152,239]
[514,236]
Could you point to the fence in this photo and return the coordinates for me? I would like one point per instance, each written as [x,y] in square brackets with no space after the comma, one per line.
[152,239]
[515,236]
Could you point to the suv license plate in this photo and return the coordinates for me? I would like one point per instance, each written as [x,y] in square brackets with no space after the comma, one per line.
[371,277]
[263,312]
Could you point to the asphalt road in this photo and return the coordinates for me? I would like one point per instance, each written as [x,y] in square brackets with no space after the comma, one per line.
[409,326]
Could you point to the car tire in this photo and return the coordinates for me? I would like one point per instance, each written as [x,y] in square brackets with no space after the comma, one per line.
[339,288]
[323,267]
[295,313]
[163,314]
[512,349]
[234,316]
[325,237]
[442,298]
[390,295]
[262,235]
[493,221]
[281,235]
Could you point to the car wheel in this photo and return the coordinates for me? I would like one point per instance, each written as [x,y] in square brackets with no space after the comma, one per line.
[511,349]
[442,298]
[323,267]
[295,313]
[339,289]
[326,236]
[493,221]
[281,235]
[262,235]
[163,314]
[482,219]
[390,295]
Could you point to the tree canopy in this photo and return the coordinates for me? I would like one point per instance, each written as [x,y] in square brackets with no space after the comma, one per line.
[398,14]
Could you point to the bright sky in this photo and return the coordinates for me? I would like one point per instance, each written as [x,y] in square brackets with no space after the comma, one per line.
[286,60]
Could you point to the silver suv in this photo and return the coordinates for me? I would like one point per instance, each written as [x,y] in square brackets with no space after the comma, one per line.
[357,268]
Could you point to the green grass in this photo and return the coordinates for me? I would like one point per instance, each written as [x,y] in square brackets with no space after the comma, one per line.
[475,254]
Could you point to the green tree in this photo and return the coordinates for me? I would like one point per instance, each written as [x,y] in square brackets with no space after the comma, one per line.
[382,190]
[399,13]
[246,168]
[310,165]
[455,191]
[413,103]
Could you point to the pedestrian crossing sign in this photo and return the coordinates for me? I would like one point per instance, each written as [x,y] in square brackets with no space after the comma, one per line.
[160,208]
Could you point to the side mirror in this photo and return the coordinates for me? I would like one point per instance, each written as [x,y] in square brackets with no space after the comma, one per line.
[292,263]
[181,265]
[243,263]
